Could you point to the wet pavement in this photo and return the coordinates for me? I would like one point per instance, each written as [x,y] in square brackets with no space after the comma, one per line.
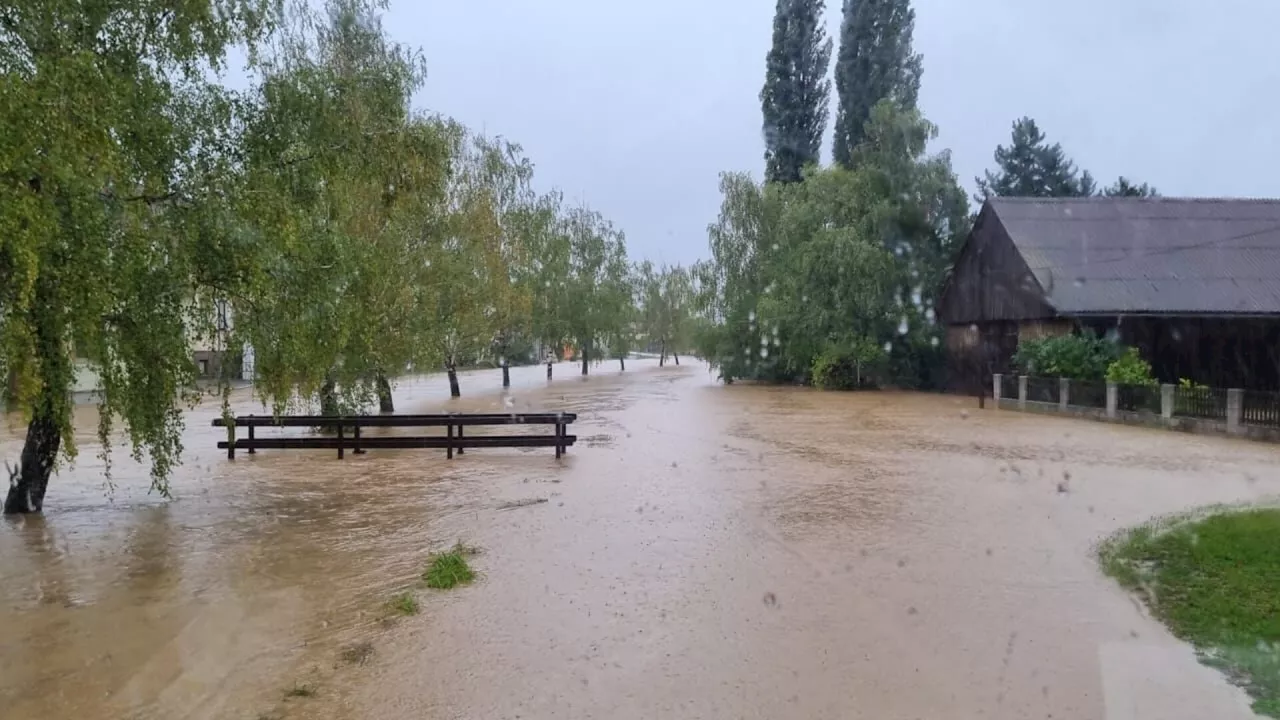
[704,552]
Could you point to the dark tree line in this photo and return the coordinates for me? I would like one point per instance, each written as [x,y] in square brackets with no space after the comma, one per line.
[1031,166]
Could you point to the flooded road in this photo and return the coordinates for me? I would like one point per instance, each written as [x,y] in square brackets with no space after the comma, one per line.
[703,552]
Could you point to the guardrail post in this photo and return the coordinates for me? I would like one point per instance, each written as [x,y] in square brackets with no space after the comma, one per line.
[461,449]
[559,434]
[1166,401]
[341,451]
[252,451]
[1113,398]
[231,437]
[997,388]
[1022,392]
[1064,388]
[356,439]
[448,445]
[1235,409]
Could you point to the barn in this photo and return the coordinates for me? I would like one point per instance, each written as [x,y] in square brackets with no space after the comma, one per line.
[1193,283]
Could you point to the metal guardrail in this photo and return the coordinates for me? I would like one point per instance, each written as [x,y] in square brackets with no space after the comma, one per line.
[1042,389]
[1261,408]
[1139,398]
[1200,402]
[1088,393]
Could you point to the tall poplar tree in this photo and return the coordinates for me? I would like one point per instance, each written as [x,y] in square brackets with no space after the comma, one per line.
[796,89]
[876,62]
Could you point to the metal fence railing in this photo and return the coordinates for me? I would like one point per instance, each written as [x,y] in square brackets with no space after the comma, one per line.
[1260,408]
[1044,390]
[1200,402]
[1138,398]
[1248,407]
[1088,393]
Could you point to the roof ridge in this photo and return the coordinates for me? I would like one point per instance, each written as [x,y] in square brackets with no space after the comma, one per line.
[1132,199]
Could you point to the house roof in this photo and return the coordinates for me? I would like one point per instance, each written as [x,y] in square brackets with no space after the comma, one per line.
[1149,255]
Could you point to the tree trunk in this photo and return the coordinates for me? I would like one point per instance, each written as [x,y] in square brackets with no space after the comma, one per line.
[675,355]
[622,361]
[385,402]
[506,375]
[586,355]
[329,399]
[662,358]
[31,478]
[454,390]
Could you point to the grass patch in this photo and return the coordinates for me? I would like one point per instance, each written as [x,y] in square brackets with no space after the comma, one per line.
[404,603]
[450,569]
[1215,581]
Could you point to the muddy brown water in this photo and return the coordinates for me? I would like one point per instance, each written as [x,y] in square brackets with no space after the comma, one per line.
[703,552]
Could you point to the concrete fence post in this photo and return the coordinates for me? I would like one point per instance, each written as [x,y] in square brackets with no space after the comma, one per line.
[1235,409]
[1166,401]
[1064,389]
[1113,398]
[1022,392]
[997,388]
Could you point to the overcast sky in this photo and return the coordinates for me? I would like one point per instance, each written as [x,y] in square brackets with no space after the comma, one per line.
[636,107]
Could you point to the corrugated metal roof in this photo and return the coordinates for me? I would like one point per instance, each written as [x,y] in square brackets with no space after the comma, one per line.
[1149,255]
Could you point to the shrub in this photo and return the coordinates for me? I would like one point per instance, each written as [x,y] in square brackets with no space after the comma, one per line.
[1130,369]
[1080,357]
[849,367]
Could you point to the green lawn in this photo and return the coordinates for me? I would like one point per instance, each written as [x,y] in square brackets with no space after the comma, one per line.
[1215,581]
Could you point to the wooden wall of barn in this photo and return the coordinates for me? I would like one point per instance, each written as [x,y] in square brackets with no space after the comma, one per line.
[990,300]
[1242,352]
[990,280]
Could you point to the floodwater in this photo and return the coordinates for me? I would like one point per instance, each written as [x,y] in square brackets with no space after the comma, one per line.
[703,552]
